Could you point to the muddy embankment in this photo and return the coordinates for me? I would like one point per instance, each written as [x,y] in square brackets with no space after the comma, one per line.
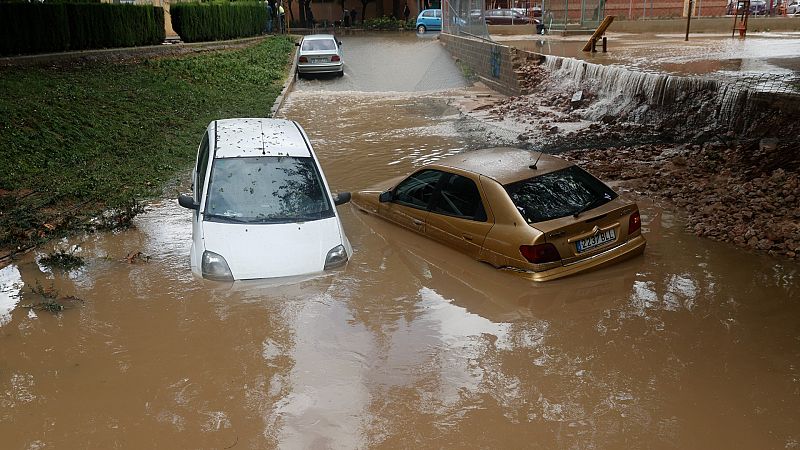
[728,154]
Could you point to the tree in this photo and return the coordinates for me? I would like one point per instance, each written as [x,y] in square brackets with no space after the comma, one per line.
[305,13]
[301,9]
[364,8]
[291,14]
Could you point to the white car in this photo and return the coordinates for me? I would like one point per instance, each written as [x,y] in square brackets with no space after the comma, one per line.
[262,206]
[319,53]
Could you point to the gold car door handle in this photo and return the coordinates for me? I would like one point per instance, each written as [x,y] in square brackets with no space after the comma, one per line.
[467,237]
[416,222]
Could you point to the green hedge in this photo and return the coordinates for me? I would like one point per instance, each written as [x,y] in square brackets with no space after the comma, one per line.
[110,25]
[387,23]
[196,22]
[27,28]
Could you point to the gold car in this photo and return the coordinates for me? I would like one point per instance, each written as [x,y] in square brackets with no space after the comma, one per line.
[534,214]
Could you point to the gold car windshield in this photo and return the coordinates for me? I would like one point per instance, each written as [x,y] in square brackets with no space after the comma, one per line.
[553,195]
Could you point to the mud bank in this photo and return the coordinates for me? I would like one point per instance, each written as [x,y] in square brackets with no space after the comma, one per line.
[738,192]
[734,172]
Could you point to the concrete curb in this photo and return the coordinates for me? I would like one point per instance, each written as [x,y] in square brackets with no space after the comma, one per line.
[287,87]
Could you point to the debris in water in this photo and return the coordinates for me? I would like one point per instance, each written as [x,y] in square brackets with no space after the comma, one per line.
[63,260]
[50,299]
[136,257]
[577,99]
[120,218]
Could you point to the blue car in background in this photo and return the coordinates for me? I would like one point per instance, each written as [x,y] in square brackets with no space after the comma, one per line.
[429,19]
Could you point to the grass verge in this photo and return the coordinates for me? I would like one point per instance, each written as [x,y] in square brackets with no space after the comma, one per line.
[81,139]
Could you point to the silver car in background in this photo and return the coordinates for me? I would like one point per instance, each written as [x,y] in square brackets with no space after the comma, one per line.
[319,53]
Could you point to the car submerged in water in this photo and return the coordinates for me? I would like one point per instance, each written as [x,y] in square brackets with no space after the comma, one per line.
[262,206]
[534,214]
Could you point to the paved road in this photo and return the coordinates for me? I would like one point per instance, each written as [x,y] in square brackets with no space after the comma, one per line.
[392,62]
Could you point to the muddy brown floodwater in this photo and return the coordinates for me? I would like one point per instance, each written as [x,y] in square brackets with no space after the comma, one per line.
[693,345]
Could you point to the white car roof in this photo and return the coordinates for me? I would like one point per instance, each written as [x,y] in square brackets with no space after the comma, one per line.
[259,137]
[312,37]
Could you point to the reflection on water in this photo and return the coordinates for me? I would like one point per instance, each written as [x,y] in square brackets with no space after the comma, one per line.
[10,290]
[693,345]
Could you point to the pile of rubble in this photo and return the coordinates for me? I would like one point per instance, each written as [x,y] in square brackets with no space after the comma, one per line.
[725,200]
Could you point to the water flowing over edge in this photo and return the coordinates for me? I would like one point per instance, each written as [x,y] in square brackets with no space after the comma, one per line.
[628,89]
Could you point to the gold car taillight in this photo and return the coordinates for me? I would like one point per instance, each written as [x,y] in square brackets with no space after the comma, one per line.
[540,253]
[634,223]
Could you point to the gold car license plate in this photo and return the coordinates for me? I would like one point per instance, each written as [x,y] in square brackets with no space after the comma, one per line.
[596,240]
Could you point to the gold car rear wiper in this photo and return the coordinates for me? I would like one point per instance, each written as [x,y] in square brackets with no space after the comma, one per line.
[586,207]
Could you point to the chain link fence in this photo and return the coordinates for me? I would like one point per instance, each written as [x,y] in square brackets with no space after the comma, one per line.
[585,14]
[465,17]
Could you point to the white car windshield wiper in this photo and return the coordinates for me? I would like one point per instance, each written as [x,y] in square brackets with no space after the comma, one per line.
[285,219]
[226,218]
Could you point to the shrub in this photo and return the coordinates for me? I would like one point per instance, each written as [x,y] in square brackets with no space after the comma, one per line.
[33,28]
[385,23]
[27,28]
[196,22]
[108,25]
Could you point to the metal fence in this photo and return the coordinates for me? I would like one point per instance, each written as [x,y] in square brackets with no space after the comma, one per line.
[558,14]
[467,16]
[464,17]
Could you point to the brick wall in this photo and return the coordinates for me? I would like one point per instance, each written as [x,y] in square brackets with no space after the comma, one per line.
[495,64]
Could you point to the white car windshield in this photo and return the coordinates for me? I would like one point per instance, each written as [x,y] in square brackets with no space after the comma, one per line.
[315,45]
[266,189]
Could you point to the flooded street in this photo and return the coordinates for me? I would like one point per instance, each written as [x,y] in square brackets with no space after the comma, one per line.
[695,344]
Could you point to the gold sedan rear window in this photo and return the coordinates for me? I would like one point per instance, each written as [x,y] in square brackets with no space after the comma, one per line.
[558,194]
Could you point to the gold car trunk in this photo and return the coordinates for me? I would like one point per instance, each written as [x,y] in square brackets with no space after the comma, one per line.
[591,233]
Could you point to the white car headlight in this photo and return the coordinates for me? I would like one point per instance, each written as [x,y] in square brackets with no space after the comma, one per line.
[337,256]
[215,267]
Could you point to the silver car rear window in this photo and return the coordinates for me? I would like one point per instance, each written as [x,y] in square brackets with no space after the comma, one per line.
[316,45]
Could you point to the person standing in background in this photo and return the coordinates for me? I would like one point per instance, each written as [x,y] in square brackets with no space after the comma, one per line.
[269,18]
[406,12]
[281,18]
[310,17]
[353,17]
